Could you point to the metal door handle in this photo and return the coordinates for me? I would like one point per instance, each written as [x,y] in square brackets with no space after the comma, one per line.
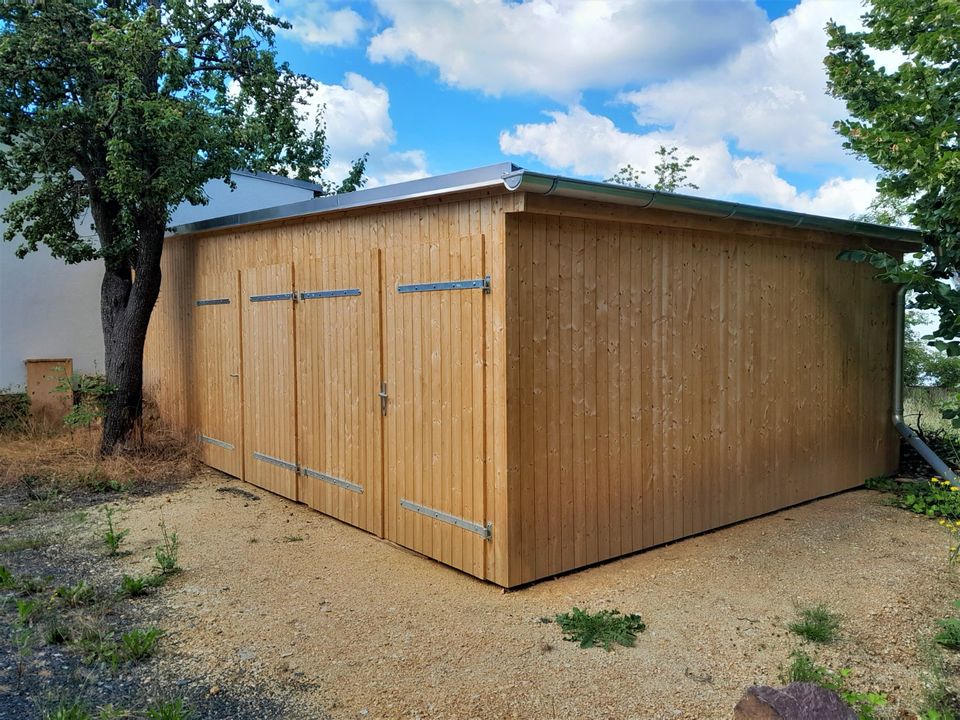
[236,375]
[383,398]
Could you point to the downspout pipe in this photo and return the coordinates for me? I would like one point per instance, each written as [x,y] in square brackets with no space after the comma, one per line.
[933,460]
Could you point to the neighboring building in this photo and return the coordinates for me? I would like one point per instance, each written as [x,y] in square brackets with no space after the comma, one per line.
[49,309]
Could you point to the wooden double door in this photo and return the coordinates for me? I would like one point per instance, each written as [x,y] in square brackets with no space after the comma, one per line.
[362,392]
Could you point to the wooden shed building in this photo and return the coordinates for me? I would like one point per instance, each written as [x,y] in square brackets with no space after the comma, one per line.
[519,374]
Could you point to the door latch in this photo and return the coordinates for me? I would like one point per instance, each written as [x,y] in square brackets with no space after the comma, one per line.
[383,399]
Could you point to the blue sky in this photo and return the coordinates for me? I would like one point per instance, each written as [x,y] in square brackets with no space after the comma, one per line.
[581,87]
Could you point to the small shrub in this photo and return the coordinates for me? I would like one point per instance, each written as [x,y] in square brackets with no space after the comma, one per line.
[112,537]
[89,393]
[168,710]
[933,498]
[14,410]
[603,628]
[816,624]
[140,644]
[167,554]
[949,634]
[74,595]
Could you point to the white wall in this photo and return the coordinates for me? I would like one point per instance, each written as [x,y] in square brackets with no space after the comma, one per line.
[49,309]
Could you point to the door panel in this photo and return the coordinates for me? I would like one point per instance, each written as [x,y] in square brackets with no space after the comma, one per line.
[216,372]
[433,365]
[338,371]
[269,383]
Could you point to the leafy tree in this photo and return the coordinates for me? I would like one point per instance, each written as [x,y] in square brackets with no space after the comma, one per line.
[906,121]
[126,108]
[671,172]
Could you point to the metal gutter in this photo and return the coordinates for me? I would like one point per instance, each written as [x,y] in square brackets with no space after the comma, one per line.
[489,176]
[933,460]
[542,184]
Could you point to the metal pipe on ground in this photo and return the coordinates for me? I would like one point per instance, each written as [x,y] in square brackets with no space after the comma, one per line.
[933,460]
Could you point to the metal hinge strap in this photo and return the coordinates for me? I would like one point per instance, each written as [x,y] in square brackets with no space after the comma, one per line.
[478,284]
[383,398]
[214,301]
[339,482]
[484,531]
[218,443]
[318,294]
[269,298]
[276,461]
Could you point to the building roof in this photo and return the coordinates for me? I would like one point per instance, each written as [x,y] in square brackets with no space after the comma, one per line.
[511,178]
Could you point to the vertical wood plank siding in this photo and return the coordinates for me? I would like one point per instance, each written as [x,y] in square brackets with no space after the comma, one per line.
[626,382]
[666,381]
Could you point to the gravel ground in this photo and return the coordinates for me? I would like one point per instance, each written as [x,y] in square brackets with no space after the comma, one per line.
[282,612]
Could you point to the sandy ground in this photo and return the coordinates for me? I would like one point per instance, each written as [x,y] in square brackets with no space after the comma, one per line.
[356,627]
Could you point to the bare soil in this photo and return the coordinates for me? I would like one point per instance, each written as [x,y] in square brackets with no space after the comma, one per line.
[311,618]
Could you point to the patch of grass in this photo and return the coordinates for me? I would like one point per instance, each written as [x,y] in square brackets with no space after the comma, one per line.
[98,646]
[28,612]
[112,536]
[7,580]
[15,517]
[816,624]
[168,710]
[137,586]
[140,644]
[949,634]
[32,585]
[803,668]
[27,542]
[69,710]
[74,595]
[58,633]
[604,628]
[167,555]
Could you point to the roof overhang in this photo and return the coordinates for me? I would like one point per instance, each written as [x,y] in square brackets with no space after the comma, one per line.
[507,177]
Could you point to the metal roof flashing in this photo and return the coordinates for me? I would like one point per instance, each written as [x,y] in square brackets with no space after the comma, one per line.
[488,176]
[512,178]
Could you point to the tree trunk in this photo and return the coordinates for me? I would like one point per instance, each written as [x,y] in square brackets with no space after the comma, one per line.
[126,303]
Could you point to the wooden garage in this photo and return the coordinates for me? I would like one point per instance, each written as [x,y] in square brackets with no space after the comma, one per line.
[518,374]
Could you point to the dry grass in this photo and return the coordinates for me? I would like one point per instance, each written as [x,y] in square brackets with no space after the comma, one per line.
[71,458]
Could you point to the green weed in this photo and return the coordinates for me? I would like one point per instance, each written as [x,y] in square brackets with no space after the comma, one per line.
[57,633]
[131,586]
[816,624]
[140,644]
[28,611]
[603,628]
[949,634]
[112,537]
[74,595]
[7,580]
[69,710]
[168,710]
[167,554]
[804,669]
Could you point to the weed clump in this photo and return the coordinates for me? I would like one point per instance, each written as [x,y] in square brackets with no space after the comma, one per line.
[816,624]
[604,628]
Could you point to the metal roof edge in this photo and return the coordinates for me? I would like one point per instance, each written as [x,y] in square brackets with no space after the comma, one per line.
[279,179]
[540,183]
[487,176]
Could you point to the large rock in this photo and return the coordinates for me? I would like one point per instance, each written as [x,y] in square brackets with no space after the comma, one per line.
[796,701]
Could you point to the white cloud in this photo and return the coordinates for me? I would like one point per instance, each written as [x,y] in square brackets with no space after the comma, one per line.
[588,144]
[357,115]
[316,23]
[559,47]
[769,99]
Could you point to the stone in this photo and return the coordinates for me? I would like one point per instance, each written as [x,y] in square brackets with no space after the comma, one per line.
[796,701]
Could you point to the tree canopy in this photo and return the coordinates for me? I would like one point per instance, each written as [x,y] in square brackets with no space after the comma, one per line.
[127,108]
[670,172]
[905,120]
